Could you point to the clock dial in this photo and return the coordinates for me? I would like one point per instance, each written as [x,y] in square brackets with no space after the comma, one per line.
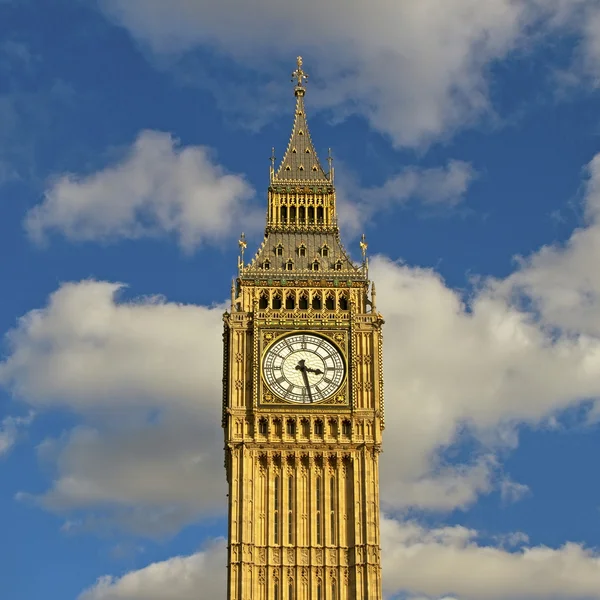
[303,367]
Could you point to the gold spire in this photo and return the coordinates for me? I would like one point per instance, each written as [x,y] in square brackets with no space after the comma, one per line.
[300,161]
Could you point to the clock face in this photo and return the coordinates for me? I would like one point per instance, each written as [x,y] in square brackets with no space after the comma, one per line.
[303,367]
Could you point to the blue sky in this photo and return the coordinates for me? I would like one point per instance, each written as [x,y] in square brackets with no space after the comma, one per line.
[135,138]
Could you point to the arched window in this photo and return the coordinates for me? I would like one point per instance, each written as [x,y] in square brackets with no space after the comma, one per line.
[319,591]
[275,591]
[279,250]
[343,302]
[332,427]
[289,265]
[291,427]
[302,250]
[262,427]
[325,250]
[301,214]
[314,266]
[330,302]
[277,301]
[346,428]
[311,214]
[263,301]
[284,214]
[292,214]
[318,427]
[291,591]
[338,265]
[319,214]
[266,265]
[303,302]
[290,301]
[316,302]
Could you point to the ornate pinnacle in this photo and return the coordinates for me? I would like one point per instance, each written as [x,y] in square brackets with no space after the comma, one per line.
[363,245]
[299,75]
[242,244]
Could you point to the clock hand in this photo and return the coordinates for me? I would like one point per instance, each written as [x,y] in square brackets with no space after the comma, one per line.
[315,371]
[303,368]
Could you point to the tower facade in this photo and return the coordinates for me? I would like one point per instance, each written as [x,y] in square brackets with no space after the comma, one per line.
[302,398]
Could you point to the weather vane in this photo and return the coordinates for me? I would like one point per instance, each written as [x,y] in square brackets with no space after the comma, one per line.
[299,75]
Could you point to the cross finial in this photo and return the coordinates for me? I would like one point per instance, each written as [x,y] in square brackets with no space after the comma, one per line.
[299,75]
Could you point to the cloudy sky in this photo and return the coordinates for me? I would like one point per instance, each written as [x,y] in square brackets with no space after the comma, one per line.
[135,138]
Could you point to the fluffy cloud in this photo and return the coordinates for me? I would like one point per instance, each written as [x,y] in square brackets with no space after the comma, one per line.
[143,375]
[469,571]
[563,282]
[477,368]
[150,479]
[158,188]
[433,188]
[463,370]
[422,66]
[9,431]
[463,568]
[183,577]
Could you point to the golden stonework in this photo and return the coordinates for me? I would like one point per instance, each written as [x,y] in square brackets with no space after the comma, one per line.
[302,397]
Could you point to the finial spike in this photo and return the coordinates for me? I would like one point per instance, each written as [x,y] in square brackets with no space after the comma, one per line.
[242,244]
[299,75]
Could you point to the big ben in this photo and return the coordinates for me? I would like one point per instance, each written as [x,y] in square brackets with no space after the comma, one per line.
[302,397]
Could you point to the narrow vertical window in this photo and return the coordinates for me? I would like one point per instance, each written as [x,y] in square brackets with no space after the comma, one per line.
[319,591]
[276,510]
[276,591]
[291,591]
[318,511]
[332,496]
[290,510]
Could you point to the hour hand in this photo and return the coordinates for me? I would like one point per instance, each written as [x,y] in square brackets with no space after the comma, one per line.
[315,371]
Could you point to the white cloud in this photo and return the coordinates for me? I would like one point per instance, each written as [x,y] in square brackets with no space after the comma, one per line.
[159,188]
[143,374]
[9,431]
[563,282]
[452,369]
[433,188]
[200,576]
[86,350]
[421,67]
[463,570]
[149,478]
[469,571]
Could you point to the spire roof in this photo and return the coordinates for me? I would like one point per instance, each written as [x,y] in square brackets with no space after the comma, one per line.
[300,161]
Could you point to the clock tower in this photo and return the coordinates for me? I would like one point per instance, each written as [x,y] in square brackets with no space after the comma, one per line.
[302,398]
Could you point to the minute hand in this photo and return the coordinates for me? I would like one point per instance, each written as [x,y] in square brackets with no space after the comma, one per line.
[307,383]
[301,366]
